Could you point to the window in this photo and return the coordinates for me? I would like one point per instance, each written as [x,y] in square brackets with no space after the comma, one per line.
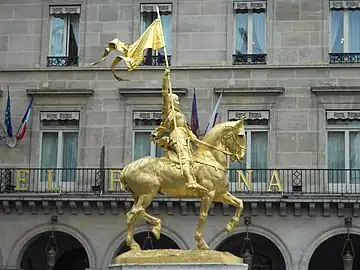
[148,15]
[345,29]
[256,157]
[144,123]
[343,147]
[250,38]
[59,144]
[64,35]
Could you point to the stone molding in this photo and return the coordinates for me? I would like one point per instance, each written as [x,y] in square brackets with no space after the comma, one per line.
[275,239]
[273,91]
[60,92]
[335,90]
[149,91]
[17,250]
[272,206]
[319,239]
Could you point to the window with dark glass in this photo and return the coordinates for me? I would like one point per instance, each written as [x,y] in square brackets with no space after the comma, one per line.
[344,31]
[64,35]
[250,37]
[148,15]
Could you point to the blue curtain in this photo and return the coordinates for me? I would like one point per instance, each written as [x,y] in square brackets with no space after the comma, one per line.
[354,144]
[49,152]
[337,31]
[166,24]
[147,19]
[142,145]
[336,156]
[70,150]
[354,30]
[259,155]
[57,35]
[241,34]
[258,33]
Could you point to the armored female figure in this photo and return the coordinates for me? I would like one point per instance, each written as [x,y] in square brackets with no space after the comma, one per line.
[180,135]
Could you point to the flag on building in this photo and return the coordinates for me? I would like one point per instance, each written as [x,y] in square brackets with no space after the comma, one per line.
[152,38]
[22,129]
[194,117]
[8,123]
[214,115]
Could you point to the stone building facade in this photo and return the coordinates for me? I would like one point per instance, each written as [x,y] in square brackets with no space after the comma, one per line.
[290,67]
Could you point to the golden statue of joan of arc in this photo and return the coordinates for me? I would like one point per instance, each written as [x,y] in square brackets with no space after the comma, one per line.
[178,144]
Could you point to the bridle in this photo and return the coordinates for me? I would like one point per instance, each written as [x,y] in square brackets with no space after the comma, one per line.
[220,150]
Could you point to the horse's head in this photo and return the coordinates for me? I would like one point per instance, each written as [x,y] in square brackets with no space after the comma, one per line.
[235,139]
[231,135]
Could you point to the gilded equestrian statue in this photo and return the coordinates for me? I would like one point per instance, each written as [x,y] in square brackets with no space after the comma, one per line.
[182,172]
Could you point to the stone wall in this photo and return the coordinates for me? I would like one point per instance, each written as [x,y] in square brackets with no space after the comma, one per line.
[202,31]
[102,232]
[202,42]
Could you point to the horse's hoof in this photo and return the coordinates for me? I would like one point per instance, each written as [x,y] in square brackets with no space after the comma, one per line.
[229,227]
[156,232]
[203,246]
[135,246]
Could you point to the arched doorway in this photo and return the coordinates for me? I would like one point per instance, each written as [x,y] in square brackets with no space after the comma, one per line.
[328,255]
[266,254]
[146,240]
[70,253]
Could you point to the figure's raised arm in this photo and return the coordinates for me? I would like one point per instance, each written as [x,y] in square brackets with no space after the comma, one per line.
[165,94]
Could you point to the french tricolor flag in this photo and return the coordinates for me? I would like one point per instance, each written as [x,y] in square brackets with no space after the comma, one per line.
[22,129]
[214,115]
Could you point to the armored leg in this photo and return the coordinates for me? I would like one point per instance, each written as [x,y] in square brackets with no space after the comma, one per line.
[191,182]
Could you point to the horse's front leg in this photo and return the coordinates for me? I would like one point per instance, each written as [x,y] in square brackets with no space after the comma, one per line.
[228,198]
[205,204]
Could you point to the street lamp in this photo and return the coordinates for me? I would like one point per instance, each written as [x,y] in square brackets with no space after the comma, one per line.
[247,251]
[51,247]
[348,253]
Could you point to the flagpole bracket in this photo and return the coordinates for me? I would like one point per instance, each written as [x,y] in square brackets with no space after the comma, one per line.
[11,142]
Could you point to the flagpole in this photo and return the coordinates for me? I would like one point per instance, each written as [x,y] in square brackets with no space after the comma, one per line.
[1,126]
[170,88]
[17,133]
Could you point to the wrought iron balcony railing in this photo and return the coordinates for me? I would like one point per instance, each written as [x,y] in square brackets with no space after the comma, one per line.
[344,58]
[156,60]
[62,61]
[249,59]
[293,182]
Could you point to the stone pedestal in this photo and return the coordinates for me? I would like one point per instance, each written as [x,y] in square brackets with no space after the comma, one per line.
[182,266]
[175,259]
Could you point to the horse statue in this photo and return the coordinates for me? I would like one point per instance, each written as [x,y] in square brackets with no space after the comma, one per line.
[146,177]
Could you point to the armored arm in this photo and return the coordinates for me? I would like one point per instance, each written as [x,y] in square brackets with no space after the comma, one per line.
[165,94]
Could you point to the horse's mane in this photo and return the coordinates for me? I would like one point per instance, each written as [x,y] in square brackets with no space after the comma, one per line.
[214,132]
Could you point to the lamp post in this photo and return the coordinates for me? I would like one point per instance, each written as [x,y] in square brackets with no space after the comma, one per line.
[247,250]
[51,247]
[348,253]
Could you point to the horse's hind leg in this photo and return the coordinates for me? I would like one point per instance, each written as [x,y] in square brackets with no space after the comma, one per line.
[139,209]
[228,198]
[205,204]
[130,223]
